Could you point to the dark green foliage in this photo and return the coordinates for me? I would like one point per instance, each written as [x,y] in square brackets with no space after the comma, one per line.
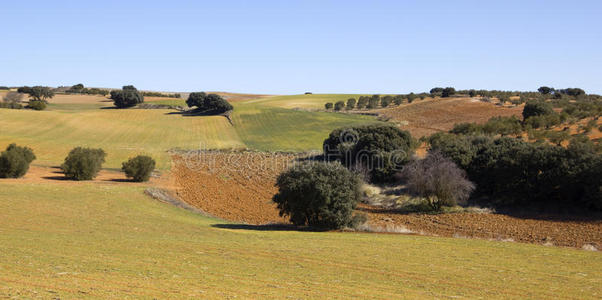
[139,168]
[83,163]
[496,125]
[80,89]
[159,94]
[15,160]
[398,99]
[545,90]
[127,97]
[460,149]
[321,195]
[362,102]
[437,91]
[537,108]
[351,103]
[24,90]
[411,97]
[472,93]
[381,150]
[40,93]
[385,101]
[373,101]
[210,103]
[448,92]
[574,92]
[36,105]
[438,179]
[4,88]
[328,105]
[339,105]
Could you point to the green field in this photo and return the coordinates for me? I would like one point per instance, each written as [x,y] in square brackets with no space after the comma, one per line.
[125,133]
[107,240]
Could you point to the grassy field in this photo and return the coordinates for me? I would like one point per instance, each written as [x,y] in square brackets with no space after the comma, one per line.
[75,120]
[315,101]
[108,240]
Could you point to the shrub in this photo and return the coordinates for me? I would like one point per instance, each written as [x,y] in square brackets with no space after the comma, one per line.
[211,103]
[379,149]
[438,179]
[545,90]
[537,108]
[127,97]
[15,160]
[13,97]
[83,163]
[328,105]
[437,91]
[351,103]
[36,105]
[448,92]
[373,101]
[321,195]
[385,101]
[362,101]
[472,93]
[139,168]
[411,97]
[339,105]
[398,99]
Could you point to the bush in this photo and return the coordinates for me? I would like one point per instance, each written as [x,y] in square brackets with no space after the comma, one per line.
[545,90]
[83,163]
[351,103]
[36,105]
[15,160]
[328,105]
[448,92]
[438,179]
[537,108]
[13,97]
[339,105]
[127,97]
[39,93]
[362,101]
[211,103]
[385,101]
[321,195]
[139,168]
[379,149]
[437,91]
[373,101]
[398,99]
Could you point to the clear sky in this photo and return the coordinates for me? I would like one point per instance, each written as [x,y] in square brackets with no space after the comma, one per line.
[291,47]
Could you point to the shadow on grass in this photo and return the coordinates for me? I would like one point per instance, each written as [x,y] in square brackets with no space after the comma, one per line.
[265,227]
[195,113]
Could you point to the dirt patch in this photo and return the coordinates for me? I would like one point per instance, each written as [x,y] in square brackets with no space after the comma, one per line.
[240,188]
[425,117]
[236,186]
[549,230]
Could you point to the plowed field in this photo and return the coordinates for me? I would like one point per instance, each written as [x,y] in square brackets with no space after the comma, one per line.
[239,186]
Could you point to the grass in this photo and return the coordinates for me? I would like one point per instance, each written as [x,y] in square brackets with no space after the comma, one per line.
[108,240]
[312,101]
[125,133]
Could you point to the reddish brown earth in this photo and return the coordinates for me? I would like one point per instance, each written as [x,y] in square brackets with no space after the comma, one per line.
[241,190]
[425,117]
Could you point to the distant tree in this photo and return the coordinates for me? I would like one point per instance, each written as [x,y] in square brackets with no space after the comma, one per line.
[77,87]
[328,105]
[351,103]
[321,195]
[545,90]
[13,97]
[536,108]
[362,102]
[212,103]
[373,101]
[472,93]
[24,90]
[398,99]
[139,168]
[437,91]
[385,101]
[129,96]
[40,93]
[339,105]
[411,97]
[448,92]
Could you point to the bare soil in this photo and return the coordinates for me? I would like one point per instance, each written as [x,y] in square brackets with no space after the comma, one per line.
[425,117]
[241,190]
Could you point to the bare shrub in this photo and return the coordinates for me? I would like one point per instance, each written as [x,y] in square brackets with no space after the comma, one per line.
[438,179]
[13,97]
[589,247]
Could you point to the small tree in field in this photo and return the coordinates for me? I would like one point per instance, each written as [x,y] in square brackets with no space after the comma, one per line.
[127,97]
[15,160]
[83,163]
[339,105]
[537,108]
[212,103]
[321,195]
[438,179]
[448,92]
[328,105]
[351,103]
[139,168]
[545,90]
[40,93]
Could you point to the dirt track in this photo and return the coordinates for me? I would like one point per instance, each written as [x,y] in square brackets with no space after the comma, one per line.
[242,194]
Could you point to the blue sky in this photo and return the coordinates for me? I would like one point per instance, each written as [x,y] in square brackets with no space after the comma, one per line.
[290,47]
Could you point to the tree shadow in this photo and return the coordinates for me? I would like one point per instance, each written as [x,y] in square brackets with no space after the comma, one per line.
[264,227]
[61,178]
[120,180]
[194,113]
